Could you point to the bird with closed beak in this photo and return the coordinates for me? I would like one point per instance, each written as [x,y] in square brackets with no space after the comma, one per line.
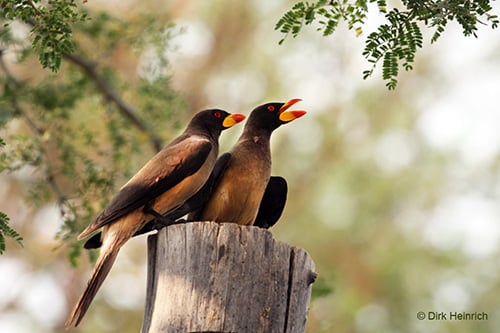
[165,182]
[240,188]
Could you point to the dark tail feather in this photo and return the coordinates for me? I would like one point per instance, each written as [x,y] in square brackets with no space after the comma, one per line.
[101,270]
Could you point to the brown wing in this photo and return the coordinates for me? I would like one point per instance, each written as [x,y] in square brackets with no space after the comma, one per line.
[165,170]
[192,206]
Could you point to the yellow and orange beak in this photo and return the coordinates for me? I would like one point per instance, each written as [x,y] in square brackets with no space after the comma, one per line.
[232,120]
[287,116]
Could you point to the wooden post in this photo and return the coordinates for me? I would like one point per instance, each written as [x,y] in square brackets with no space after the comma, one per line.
[210,277]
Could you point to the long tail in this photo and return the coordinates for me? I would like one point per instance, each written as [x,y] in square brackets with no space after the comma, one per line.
[101,270]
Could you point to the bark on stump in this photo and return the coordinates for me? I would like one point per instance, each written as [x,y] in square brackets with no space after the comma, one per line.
[210,277]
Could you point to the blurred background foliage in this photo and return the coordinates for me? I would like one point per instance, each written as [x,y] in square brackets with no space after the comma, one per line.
[398,217]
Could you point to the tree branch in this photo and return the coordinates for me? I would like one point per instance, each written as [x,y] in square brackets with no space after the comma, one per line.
[61,199]
[111,95]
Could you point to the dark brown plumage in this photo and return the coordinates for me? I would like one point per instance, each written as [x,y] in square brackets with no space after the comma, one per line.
[272,203]
[238,192]
[249,164]
[172,176]
[193,204]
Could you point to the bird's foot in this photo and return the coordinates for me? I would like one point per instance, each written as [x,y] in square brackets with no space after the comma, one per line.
[160,220]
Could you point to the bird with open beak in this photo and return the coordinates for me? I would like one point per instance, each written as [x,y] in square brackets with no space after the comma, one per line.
[240,188]
[171,177]
[244,191]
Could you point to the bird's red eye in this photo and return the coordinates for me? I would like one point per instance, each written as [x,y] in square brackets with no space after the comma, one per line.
[270,108]
[217,114]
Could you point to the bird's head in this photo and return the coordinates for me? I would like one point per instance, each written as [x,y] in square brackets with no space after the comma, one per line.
[270,116]
[215,120]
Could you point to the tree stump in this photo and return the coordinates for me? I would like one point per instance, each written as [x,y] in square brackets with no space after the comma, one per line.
[210,277]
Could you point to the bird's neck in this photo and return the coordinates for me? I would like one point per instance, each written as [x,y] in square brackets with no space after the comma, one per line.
[256,135]
[207,132]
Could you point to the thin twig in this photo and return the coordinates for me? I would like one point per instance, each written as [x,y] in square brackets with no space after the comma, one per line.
[35,8]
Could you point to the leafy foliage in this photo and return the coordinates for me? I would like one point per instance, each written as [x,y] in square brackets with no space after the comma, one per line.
[51,26]
[80,135]
[395,43]
[327,13]
[5,229]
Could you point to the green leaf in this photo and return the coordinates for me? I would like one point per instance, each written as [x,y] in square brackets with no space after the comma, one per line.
[51,22]
[7,231]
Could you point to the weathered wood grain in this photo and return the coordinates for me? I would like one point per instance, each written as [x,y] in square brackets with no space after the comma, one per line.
[209,277]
